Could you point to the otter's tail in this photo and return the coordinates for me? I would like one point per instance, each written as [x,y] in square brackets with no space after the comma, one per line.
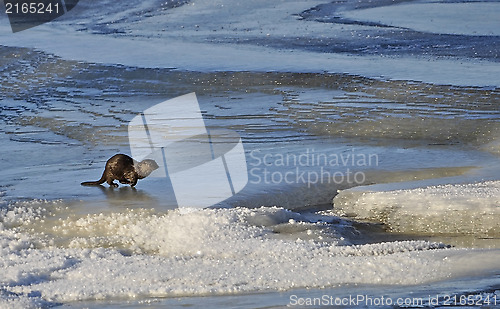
[95,183]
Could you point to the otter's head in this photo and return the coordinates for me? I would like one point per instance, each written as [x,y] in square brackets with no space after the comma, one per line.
[146,167]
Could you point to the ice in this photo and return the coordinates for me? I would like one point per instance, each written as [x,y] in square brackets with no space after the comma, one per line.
[473,18]
[193,48]
[470,208]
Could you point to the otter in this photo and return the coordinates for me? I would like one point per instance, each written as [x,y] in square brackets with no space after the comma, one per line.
[124,169]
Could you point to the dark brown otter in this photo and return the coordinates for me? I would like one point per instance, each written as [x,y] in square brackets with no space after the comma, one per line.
[124,169]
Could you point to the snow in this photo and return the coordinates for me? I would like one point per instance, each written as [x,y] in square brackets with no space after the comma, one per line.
[441,209]
[139,253]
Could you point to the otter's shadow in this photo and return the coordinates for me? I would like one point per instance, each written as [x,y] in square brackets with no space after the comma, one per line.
[126,196]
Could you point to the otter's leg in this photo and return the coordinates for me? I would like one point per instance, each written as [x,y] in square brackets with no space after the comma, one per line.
[111,183]
[133,181]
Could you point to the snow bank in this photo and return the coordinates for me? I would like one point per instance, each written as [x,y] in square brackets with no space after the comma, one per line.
[139,253]
[442,209]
